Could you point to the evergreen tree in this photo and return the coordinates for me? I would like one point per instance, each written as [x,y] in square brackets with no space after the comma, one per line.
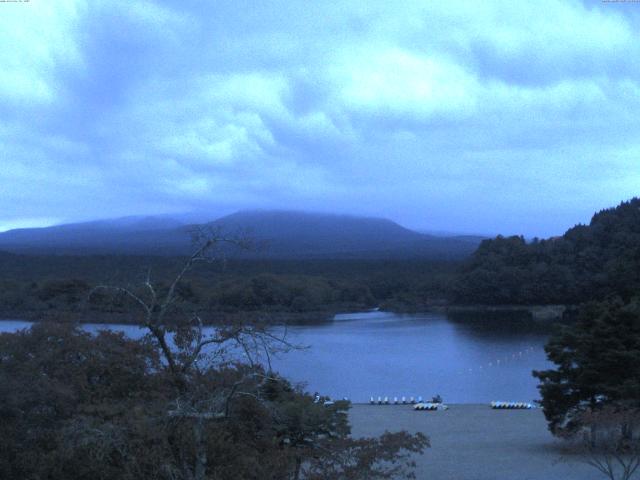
[598,364]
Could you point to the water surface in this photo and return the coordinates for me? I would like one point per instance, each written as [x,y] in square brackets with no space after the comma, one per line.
[384,354]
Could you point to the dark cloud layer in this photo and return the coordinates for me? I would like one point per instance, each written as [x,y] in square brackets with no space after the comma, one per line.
[495,117]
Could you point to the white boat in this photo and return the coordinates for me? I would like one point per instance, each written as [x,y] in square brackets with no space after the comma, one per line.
[511,405]
[430,406]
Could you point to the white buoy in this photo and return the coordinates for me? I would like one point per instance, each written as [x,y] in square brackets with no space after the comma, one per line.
[419,399]
[372,401]
[404,400]
[386,400]
[379,400]
[395,400]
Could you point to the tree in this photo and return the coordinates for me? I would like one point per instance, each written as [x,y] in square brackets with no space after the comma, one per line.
[179,404]
[384,458]
[195,361]
[77,406]
[609,442]
[317,437]
[598,364]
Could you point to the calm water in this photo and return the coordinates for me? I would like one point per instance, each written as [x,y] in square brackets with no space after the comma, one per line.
[384,354]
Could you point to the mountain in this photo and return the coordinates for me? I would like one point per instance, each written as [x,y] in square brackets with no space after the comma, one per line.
[121,235]
[280,234]
[303,234]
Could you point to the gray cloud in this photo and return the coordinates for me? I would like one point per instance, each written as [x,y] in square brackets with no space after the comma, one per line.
[489,118]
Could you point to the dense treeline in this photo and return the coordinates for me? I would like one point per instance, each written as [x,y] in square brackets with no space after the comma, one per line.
[59,286]
[588,262]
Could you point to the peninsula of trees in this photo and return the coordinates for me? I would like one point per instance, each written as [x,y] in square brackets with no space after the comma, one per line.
[588,262]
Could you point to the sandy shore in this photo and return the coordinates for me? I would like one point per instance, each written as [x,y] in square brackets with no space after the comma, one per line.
[474,442]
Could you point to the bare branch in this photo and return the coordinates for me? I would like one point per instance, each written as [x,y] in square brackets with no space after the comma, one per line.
[125,291]
[149,285]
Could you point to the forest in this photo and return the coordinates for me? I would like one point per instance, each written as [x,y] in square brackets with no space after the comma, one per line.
[589,262]
[298,291]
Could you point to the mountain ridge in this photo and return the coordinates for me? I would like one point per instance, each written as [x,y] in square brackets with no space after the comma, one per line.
[287,234]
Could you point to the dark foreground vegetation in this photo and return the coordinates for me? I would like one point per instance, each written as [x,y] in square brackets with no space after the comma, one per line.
[76,406]
[598,364]
[178,404]
[592,396]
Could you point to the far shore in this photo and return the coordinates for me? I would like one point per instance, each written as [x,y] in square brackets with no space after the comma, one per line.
[475,442]
[209,318]
[537,314]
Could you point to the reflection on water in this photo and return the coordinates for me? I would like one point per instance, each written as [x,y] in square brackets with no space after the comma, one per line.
[384,354]
[378,353]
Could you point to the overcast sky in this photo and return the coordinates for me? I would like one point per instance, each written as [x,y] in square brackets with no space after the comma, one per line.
[488,117]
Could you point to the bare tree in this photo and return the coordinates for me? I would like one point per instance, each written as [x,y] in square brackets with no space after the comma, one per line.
[214,373]
[183,343]
[609,441]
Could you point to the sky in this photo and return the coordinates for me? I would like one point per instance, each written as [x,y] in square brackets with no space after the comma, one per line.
[476,117]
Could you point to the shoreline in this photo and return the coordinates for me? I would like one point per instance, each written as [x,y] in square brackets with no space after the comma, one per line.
[536,314]
[209,319]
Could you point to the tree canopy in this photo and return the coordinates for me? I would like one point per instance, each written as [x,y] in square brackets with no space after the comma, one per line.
[78,406]
[589,262]
[598,364]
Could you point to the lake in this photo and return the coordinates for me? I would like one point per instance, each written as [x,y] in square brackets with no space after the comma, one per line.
[368,354]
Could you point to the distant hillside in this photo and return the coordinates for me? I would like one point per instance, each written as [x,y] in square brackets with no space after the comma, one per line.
[589,262]
[281,234]
[151,235]
[299,234]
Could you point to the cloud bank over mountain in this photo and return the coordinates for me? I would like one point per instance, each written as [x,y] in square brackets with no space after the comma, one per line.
[495,117]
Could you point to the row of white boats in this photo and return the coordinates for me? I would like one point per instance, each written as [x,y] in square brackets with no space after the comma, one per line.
[396,401]
[512,405]
[436,404]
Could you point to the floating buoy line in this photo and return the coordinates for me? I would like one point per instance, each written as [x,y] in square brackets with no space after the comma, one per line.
[498,362]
